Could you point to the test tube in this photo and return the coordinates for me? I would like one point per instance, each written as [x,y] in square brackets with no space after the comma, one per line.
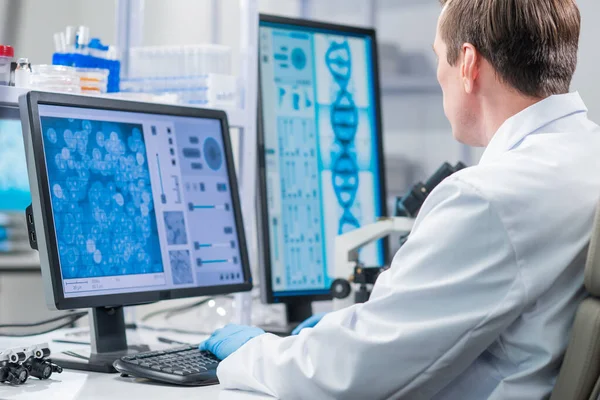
[70,37]
[82,38]
[60,42]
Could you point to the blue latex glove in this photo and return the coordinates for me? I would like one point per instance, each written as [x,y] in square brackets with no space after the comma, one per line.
[226,340]
[309,323]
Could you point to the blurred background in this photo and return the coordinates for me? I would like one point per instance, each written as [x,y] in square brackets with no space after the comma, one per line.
[417,135]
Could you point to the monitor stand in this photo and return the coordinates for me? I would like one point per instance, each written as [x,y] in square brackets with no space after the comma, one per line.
[296,313]
[108,341]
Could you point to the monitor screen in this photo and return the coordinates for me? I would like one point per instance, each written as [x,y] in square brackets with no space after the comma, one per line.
[321,147]
[14,183]
[140,202]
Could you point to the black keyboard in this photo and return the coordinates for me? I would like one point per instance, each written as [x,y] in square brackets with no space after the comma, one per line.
[184,365]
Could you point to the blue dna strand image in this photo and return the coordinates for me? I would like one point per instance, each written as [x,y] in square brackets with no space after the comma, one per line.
[338,59]
[344,123]
[101,198]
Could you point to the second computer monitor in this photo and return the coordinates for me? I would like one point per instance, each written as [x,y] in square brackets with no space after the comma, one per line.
[320,146]
[14,184]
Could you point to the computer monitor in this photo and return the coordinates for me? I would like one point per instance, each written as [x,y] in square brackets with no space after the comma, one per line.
[132,203]
[321,168]
[14,184]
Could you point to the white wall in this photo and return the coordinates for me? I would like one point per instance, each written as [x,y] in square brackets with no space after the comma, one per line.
[587,77]
[37,21]
[416,131]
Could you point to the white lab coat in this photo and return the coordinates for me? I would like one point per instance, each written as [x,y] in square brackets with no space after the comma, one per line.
[479,301]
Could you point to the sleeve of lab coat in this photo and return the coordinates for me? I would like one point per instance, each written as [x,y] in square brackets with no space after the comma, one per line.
[452,288]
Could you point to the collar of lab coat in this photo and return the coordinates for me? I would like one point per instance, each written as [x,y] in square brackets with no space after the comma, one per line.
[529,121]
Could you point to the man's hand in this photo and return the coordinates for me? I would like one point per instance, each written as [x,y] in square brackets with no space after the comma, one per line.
[223,342]
[309,323]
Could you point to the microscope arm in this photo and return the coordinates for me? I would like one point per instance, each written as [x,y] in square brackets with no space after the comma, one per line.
[348,244]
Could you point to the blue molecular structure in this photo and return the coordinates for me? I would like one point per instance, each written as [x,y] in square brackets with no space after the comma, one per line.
[181,267]
[344,123]
[213,154]
[298,58]
[101,198]
[175,224]
[338,59]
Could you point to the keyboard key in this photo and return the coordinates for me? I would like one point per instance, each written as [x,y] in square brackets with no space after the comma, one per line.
[167,370]
[156,367]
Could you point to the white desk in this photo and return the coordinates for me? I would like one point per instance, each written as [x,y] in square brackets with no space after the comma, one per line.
[76,385]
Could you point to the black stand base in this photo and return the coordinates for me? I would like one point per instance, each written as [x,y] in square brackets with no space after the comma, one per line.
[296,313]
[280,330]
[83,360]
[108,343]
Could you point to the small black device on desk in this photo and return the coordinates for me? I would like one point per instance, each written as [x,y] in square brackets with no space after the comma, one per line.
[185,365]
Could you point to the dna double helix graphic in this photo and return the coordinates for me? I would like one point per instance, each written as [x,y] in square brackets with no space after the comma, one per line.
[344,122]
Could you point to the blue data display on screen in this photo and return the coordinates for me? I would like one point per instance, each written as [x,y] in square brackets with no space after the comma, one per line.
[322,160]
[101,198]
[140,202]
[14,183]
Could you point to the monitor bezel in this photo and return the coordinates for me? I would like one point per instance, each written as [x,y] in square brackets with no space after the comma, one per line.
[268,295]
[44,204]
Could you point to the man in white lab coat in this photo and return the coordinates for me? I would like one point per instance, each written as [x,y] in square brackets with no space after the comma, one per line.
[479,302]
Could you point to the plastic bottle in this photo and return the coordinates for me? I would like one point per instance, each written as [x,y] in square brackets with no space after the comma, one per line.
[23,73]
[7,53]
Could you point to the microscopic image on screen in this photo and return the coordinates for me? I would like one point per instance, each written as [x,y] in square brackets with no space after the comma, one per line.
[181,267]
[101,198]
[175,224]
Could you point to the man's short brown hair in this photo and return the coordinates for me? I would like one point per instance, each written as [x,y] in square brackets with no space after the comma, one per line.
[532,44]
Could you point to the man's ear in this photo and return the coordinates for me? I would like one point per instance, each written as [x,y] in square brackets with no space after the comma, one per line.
[470,67]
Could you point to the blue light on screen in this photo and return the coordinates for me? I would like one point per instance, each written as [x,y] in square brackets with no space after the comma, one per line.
[14,183]
[322,161]
[139,201]
[101,198]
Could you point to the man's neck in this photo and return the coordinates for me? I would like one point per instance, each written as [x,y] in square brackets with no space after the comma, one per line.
[498,109]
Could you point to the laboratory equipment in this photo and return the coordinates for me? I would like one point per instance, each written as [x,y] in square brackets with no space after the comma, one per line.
[350,269]
[321,168]
[195,74]
[54,78]
[348,262]
[6,55]
[18,364]
[22,77]
[14,184]
[75,48]
[410,204]
[185,365]
[93,80]
[132,203]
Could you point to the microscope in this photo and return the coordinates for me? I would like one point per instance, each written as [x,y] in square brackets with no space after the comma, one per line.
[18,364]
[347,246]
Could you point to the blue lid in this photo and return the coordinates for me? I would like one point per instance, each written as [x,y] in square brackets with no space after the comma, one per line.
[95,43]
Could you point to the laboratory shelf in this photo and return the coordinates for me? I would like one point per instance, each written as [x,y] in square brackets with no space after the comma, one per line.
[9,96]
